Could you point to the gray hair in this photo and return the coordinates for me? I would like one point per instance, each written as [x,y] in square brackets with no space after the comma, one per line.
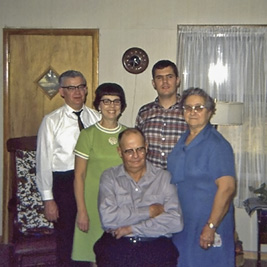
[209,101]
[70,74]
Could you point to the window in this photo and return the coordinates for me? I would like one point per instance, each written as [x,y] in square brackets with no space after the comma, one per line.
[230,64]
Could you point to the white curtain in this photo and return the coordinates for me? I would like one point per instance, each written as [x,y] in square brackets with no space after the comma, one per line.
[230,64]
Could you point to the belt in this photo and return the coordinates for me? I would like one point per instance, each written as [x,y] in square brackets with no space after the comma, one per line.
[136,239]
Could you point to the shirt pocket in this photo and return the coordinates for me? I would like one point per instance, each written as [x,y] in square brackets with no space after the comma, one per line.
[123,199]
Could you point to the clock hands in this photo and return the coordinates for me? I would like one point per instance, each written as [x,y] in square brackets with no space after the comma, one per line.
[135,60]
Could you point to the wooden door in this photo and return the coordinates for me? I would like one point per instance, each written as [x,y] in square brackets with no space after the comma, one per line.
[29,54]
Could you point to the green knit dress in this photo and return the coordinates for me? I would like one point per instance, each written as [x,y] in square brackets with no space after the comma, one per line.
[99,146]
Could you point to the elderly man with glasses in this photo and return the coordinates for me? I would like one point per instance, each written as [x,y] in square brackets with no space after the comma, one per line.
[139,210]
[57,137]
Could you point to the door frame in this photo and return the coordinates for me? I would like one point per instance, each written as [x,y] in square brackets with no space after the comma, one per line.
[7,33]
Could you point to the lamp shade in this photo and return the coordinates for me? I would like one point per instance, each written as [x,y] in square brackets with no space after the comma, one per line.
[228,113]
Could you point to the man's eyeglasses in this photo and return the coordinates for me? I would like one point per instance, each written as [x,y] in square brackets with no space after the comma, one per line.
[130,152]
[72,88]
[116,102]
[196,109]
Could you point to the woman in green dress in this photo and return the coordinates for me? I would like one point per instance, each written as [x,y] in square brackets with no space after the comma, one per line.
[96,150]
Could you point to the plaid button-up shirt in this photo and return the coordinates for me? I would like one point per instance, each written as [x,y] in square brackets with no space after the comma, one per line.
[162,129]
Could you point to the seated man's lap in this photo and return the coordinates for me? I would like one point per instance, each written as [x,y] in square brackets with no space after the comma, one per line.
[121,252]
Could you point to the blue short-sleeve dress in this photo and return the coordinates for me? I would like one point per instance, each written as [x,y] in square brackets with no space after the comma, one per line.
[194,168]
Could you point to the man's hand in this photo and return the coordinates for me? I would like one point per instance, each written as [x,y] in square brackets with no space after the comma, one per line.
[155,210]
[122,231]
[83,221]
[51,210]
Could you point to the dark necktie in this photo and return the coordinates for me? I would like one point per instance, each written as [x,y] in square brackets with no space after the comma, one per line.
[78,114]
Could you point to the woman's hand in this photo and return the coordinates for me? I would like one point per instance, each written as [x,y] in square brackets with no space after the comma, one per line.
[82,218]
[83,221]
[207,237]
[222,200]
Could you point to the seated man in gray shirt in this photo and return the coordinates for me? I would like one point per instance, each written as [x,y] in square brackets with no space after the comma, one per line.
[139,210]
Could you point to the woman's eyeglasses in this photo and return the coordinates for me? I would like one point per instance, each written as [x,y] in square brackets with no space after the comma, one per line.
[107,102]
[189,109]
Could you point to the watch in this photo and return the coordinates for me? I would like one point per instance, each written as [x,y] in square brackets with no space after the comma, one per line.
[211,225]
[135,60]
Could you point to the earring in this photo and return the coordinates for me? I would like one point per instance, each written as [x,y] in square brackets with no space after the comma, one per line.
[99,111]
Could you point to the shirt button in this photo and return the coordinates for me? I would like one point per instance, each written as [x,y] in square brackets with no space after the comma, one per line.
[136,189]
[163,139]
[162,154]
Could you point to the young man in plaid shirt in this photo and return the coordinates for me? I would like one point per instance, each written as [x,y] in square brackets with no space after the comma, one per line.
[162,120]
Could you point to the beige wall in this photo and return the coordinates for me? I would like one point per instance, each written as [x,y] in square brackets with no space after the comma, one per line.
[149,24]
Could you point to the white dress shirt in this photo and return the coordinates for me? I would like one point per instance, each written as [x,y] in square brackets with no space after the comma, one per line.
[57,137]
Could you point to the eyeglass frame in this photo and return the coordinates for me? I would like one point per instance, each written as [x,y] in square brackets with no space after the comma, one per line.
[115,102]
[130,152]
[72,88]
[195,108]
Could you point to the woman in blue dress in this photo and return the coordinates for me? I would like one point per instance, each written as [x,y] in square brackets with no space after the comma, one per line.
[202,167]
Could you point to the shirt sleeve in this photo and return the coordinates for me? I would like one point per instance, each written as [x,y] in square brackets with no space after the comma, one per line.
[222,153]
[44,157]
[84,143]
[139,120]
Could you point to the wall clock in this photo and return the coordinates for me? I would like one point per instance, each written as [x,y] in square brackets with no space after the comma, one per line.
[135,60]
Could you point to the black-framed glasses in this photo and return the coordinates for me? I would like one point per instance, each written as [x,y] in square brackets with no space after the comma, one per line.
[197,108]
[72,88]
[130,152]
[106,101]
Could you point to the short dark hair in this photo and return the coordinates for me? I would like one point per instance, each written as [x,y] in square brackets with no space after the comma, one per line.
[109,89]
[70,74]
[209,101]
[128,131]
[164,64]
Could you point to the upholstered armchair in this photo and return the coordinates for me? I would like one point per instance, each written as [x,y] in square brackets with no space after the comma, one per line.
[33,236]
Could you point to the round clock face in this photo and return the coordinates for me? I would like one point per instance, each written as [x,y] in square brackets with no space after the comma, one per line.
[135,60]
